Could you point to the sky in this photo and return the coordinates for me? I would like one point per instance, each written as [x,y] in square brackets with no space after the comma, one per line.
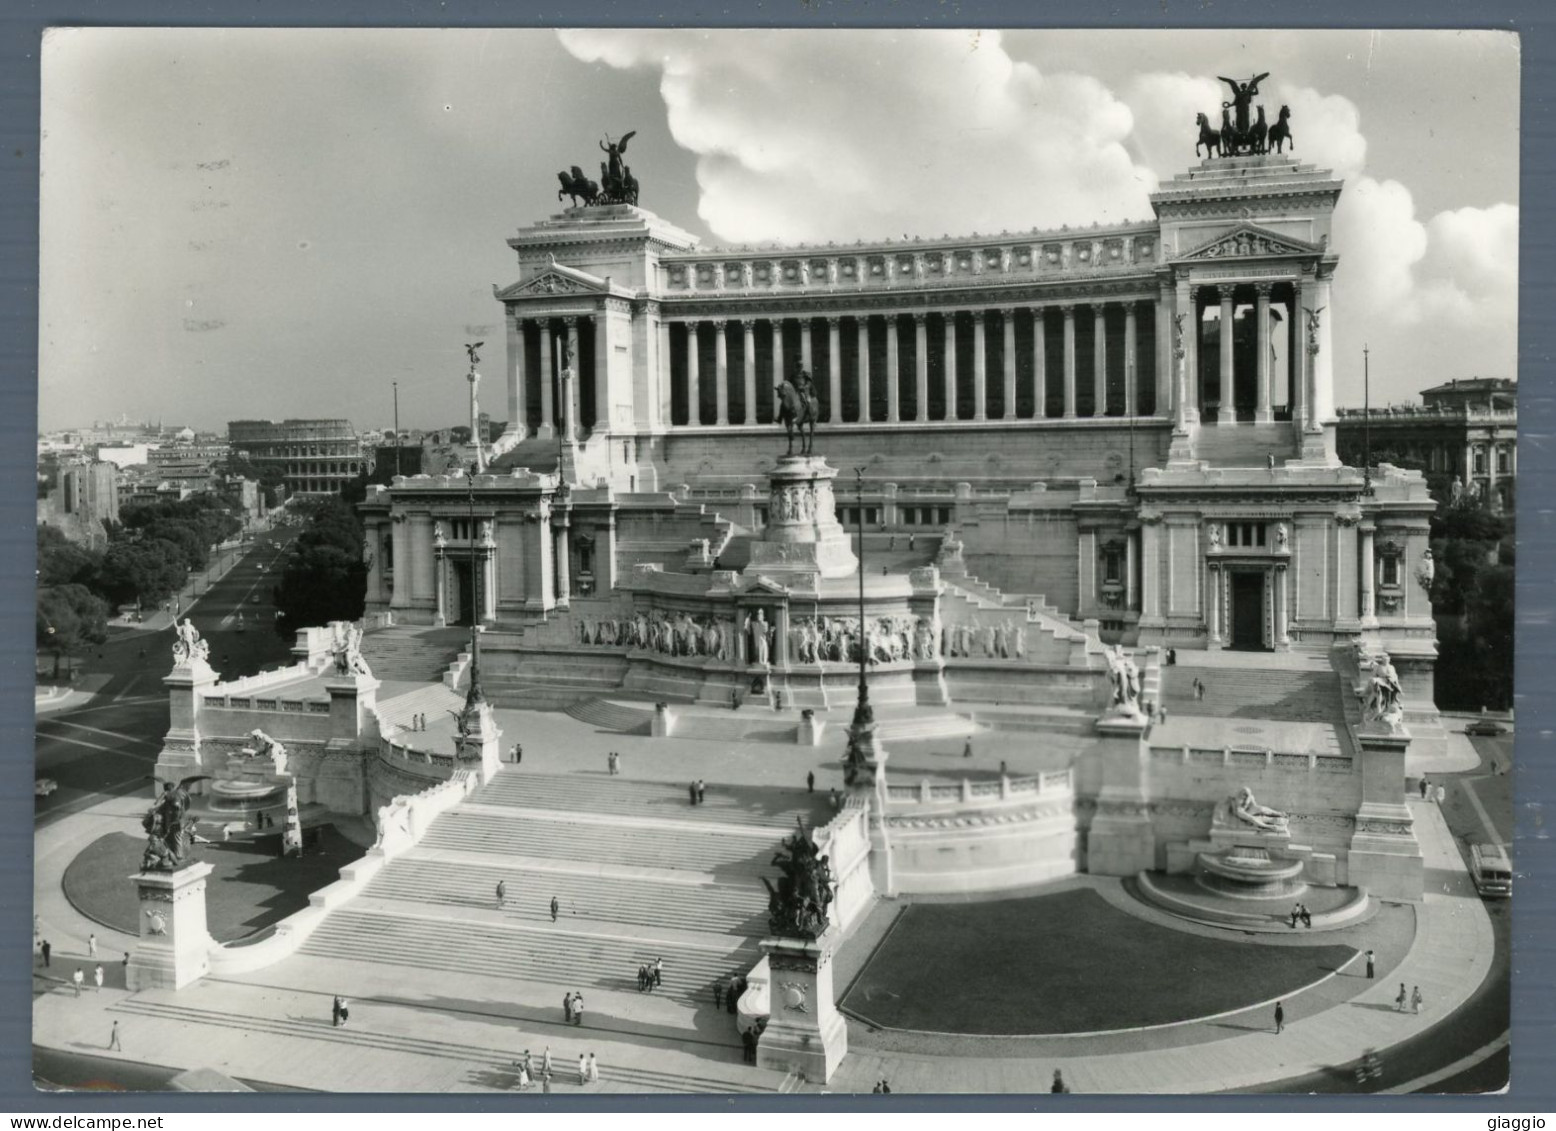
[272,223]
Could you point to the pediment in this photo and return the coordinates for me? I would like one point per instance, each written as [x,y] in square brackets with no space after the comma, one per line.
[1249,241]
[764,584]
[556,279]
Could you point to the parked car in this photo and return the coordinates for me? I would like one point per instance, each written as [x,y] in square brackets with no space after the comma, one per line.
[1488,728]
[42,787]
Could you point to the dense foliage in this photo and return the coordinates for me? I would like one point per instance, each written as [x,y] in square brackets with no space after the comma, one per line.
[325,576]
[70,618]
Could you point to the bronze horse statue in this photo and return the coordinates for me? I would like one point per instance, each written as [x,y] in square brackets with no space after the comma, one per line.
[1209,138]
[578,187]
[1280,132]
[798,407]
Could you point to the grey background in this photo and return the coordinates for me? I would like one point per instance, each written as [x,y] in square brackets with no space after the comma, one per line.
[21,26]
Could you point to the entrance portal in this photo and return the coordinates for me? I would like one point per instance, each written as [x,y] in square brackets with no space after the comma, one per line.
[465,599]
[1248,610]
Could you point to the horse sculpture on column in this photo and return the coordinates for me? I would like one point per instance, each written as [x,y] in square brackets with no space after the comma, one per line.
[798,408]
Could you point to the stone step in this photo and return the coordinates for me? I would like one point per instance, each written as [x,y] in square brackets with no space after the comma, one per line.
[623,718]
[1257,693]
[721,857]
[746,805]
[555,956]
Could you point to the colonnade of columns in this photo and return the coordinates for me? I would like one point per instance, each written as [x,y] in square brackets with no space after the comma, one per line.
[1308,392]
[949,333]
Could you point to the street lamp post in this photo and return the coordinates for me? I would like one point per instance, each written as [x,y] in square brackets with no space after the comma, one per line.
[863,724]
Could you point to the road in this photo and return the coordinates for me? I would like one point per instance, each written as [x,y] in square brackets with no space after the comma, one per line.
[109,744]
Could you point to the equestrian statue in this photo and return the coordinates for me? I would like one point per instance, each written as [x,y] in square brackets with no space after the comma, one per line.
[1244,130]
[798,408]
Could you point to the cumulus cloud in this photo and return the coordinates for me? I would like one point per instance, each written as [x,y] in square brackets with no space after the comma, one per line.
[837,135]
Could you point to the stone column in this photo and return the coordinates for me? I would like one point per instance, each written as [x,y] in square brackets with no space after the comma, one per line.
[564,565]
[602,373]
[778,371]
[1099,358]
[547,377]
[1131,358]
[893,363]
[1261,412]
[750,369]
[517,425]
[980,367]
[1039,362]
[948,374]
[921,366]
[1213,603]
[1188,393]
[1150,569]
[693,377]
[1491,474]
[864,368]
[721,371]
[663,375]
[1008,320]
[1227,413]
[1299,359]
[570,389]
[1322,390]
[806,347]
[1130,590]
[1164,358]
[834,372]
[440,577]
[486,560]
[1369,572]
[400,539]
[1282,638]
[1069,360]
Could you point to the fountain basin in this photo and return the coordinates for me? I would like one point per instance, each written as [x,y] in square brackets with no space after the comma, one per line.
[1249,872]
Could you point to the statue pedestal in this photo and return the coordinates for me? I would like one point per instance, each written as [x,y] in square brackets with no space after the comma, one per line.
[174,948]
[805,1033]
[1385,857]
[481,749]
[803,534]
[1121,841]
[187,684]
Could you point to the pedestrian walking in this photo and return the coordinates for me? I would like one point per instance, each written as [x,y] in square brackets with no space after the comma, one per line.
[545,1084]
[732,995]
[1296,913]
[545,1065]
[691,791]
[126,963]
[718,994]
[1162,712]
[502,893]
[345,1012]
[1369,965]
[91,946]
[46,949]
[523,1067]
[810,782]
[335,1012]
[1442,794]
[967,749]
[1425,785]
[518,753]
[1058,1086]
[642,978]
[1002,767]
[748,1043]
[702,791]
[659,971]
[97,977]
[910,542]
[78,979]
[555,907]
[578,1008]
[583,1070]
[594,1069]
[885,1087]
[1280,1017]
[1307,916]
[567,1008]
[1415,999]
[113,1039]
[875,1091]
[1399,1002]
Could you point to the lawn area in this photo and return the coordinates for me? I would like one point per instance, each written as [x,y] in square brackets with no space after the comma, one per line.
[250,889]
[1064,963]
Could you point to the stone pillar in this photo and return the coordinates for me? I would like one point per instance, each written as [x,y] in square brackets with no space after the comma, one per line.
[1491,474]
[693,377]
[1099,358]
[400,539]
[547,376]
[1164,358]
[1385,857]
[603,347]
[921,366]
[1131,358]
[864,368]
[1150,571]
[539,562]
[663,374]
[1120,841]
[564,565]
[1039,363]
[721,371]
[1008,320]
[1227,413]
[1282,636]
[1213,603]
[893,364]
[440,576]
[1188,391]
[805,1033]
[980,367]
[948,373]
[518,426]
[749,359]
[569,383]
[1299,357]
[1069,361]
[806,347]
[1261,412]
[778,371]
[834,372]
[1322,391]
[1130,591]
[1369,572]
[175,943]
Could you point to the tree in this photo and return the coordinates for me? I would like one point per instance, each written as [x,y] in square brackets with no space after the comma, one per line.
[325,577]
[143,571]
[69,618]
[1472,597]
[63,562]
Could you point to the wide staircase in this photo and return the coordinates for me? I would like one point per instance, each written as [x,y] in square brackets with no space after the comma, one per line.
[1245,445]
[412,654]
[638,874]
[1284,695]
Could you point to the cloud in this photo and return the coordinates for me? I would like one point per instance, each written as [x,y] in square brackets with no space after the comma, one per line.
[839,135]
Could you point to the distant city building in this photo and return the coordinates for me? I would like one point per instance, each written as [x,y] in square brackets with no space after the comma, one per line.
[317,457]
[124,454]
[84,495]
[399,459]
[1466,429]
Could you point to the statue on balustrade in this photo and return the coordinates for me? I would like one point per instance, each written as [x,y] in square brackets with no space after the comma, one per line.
[189,647]
[1125,677]
[1383,693]
[798,906]
[799,409]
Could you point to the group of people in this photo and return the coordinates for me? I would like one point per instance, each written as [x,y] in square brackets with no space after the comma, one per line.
[573,1008]
[1414,999]
[613,763]
[418,722]
[697,791]
[651,975]
[529,1071]
[1300,913]
[1430,792]
[726,995]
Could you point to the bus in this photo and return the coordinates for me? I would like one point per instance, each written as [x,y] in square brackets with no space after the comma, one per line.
[1491,870]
